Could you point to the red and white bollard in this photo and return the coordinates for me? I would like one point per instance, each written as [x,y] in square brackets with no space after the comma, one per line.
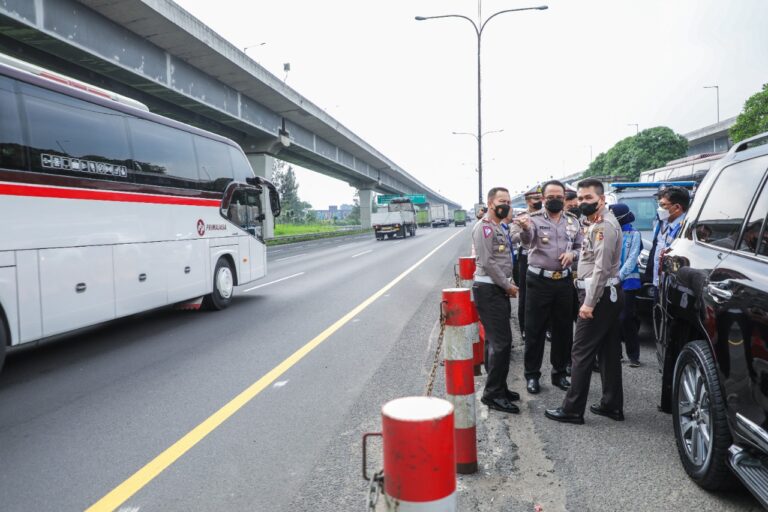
[459,376]
[467,267]
[419,456]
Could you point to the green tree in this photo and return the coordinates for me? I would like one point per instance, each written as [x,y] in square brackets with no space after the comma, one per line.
[354,216]
[753,120]
[649,149]
[284,178]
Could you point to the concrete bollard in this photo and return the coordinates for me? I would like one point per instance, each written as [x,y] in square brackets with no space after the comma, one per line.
[459,376]
[419,455]
[466,276]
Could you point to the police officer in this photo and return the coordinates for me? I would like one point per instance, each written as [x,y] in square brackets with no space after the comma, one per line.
[492,289]
[553,238]
[601,299]
[533,204]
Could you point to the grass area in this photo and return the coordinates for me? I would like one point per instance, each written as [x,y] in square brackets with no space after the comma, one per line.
[303,229]
[316,235]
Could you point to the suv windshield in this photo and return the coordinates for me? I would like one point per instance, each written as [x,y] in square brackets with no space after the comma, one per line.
[644,209]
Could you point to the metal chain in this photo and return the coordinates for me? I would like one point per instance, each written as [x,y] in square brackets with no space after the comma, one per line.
[375,489]
[436,363]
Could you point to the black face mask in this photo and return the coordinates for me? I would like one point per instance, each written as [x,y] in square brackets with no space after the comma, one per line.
[554,205]
[501,211]
[574,210]
[588,208]
[537,205]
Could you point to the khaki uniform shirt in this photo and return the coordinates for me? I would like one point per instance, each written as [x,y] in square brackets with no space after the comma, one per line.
[493,257]
[546,239]
[601,255]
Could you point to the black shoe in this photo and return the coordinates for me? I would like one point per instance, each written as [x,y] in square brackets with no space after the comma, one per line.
[616,414]
[596,367]
[500,404]
[513,396]
[564,417]
[533,386]
[561,382]
[634,363]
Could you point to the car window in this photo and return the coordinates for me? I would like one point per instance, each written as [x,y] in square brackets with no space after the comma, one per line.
[751,237]
[644,209]
[726,206]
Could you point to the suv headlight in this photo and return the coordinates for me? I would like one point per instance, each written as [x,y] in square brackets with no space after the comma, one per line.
[642,260]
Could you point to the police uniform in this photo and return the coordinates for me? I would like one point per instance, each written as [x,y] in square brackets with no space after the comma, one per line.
[599,287]
[549,295]
[492,279]
[522,268]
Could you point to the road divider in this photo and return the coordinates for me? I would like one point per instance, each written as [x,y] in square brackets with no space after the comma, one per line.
[137,481]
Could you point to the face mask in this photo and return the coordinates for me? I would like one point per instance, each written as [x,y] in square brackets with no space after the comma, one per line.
[574,210]
[588,208]
[537,205]
[501,211]
[554,205]
[663,214]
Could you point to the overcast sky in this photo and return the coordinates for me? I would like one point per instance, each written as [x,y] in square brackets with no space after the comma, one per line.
[556,81]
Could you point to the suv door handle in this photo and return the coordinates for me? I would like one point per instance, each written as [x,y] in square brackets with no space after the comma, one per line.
[718,292]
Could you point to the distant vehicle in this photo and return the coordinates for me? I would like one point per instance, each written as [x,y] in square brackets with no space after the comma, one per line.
[422,218]
[111,210]
[439,214]
[712,340]
[643,202]
[399,220]
[690,168]
[460,217]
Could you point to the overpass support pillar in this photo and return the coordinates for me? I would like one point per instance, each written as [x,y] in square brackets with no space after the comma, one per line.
[366,196]
[262,164]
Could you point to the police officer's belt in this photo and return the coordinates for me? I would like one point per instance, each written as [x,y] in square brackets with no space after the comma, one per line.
[583,284]
[549,274]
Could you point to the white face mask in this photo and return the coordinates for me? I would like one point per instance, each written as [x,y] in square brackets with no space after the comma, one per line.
[663,214]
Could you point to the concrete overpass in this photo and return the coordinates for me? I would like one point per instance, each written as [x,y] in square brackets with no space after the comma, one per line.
[158,53]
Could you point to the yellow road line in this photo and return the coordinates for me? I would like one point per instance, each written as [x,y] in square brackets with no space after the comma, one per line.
[142,477]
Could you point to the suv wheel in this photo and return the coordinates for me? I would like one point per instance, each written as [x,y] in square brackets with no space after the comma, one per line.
[699,416]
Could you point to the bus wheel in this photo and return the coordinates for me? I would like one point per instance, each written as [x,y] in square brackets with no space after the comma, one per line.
[223,287]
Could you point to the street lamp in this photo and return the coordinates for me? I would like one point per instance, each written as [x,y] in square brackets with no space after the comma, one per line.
[717,90]
[637,127]
[479,27]
[245,49]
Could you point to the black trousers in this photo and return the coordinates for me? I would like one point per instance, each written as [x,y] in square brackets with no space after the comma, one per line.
[630,325]
[598,336]
[522,271]
[494,309]
[548,302]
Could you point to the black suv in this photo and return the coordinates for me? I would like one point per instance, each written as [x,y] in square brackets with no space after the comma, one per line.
[712,325]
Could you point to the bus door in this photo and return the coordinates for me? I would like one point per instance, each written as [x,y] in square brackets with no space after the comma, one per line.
[245,211]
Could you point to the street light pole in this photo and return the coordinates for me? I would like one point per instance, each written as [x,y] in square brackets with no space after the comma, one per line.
[637,127]
[479,27]
[717,90]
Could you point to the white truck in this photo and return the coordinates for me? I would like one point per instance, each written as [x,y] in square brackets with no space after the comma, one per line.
[399,220]
[439,214]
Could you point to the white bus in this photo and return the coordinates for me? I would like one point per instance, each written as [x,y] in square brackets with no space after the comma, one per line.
[108,210]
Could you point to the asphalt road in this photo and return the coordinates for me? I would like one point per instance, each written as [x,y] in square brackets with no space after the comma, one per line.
[80,415]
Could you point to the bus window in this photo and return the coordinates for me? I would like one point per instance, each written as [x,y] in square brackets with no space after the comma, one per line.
[67,135]
[214,163]
[244,210]
[163,151]
[12,151]
[240,164]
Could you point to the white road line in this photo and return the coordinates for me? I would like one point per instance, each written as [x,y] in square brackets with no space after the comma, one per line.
[273,282]
[294,256]
[361,253]
[279,383]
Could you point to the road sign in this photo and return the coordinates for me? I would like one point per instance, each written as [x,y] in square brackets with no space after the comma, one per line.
[387,198]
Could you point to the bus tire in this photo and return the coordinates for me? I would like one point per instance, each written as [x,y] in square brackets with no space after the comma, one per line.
[223,287]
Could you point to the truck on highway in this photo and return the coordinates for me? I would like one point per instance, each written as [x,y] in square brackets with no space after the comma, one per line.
[460,218]
[422,218]
[398,220]
[439,214]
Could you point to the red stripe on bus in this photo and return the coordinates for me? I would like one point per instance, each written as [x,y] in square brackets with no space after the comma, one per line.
[100,195]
